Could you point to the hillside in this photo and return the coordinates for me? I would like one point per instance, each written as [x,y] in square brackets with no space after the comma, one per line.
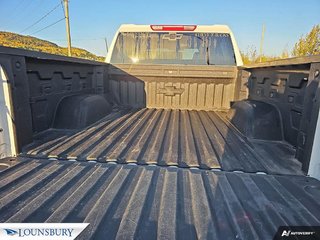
[9,39]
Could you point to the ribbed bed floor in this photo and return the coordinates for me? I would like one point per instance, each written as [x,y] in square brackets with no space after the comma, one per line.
[167,138]
[149,202]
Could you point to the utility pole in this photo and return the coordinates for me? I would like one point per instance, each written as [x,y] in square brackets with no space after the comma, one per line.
[261,42]
[66,11]
[106,42]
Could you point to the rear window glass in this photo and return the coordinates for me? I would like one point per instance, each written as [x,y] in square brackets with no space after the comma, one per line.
[173,48]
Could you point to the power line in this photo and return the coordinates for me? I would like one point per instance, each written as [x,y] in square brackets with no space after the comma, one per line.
[39,20]
[50,25]
[64,13]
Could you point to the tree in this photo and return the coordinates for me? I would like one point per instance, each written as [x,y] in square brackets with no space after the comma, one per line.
[250,56]
[284,54]
[308,44]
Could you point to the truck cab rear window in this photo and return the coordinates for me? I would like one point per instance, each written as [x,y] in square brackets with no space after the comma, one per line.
[173,48]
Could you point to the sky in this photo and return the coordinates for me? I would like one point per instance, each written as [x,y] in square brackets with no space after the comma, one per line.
[93,20]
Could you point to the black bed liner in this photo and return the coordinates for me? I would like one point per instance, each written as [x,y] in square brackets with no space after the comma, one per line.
[183,138]
[147,202]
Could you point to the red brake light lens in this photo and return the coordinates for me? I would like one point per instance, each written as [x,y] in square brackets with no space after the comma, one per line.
[173,27]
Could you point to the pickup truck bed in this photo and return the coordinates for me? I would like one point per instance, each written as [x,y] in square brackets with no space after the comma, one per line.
[200,139]
[167,152]
[128,201]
